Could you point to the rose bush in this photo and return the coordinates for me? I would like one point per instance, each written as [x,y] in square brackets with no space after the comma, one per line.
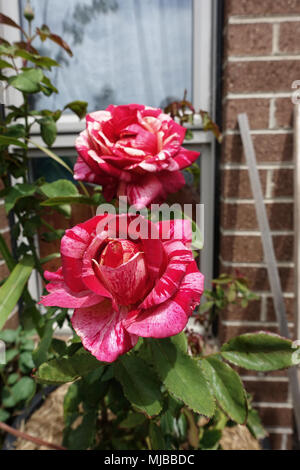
[124,284]
[133,151]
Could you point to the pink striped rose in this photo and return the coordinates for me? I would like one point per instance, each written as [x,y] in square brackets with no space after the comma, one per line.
[123,284]
[133,151]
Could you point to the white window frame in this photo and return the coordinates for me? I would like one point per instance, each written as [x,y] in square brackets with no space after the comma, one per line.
[204,67]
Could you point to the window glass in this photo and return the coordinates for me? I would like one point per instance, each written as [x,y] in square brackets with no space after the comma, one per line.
[124,50]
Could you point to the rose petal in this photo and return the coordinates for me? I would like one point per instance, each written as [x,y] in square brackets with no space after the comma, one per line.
[178,229]
[127,282]
[101,331]
[179,258]
[169,318]
[73,246]
[61,296]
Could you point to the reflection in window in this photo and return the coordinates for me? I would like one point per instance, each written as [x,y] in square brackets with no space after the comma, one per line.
[124,50]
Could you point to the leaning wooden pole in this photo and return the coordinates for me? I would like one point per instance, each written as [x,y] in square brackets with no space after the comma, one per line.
[269,255]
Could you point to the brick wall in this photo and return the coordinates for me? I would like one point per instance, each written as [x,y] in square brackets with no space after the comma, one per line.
[261,60]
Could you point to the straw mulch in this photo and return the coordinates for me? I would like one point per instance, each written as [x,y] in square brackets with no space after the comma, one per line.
[47,423]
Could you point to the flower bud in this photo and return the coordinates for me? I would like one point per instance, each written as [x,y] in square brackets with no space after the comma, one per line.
[28,12]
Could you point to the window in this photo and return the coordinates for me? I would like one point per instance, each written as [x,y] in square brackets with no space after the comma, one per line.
[146,51]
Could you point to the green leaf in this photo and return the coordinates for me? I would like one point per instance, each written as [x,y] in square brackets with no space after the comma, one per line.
[255,425]
[78,107]
[83,436]
[132,420]
[227,387]
[182,376]
[48,130]
[12,379]
[58,201]
[67,369]
[180,341]
[23,390]
[40,354]
[140,385]
[17,192]
[6,141]
[28,81]
[6,255]
[4,415]
[9,336]
[26,363]
[5,65]
[210,439]
[156,437]
[260,351]
[59,188]
[13,287]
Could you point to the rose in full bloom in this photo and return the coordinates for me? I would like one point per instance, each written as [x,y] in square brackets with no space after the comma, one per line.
[123,284]
[133,151]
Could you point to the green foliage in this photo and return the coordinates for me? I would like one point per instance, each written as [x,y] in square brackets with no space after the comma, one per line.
[177,371]
[227,388]
[16,385]
[12,289]
[140,384]
[260,351]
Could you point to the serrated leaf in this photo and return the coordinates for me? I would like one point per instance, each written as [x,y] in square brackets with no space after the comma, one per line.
[182,376]
[67,369]
[260,351]
[140,385]
[227,387]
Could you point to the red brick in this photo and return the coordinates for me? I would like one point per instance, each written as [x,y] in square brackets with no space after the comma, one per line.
[236,183]
[258,277]
[243,216]
[236,312]
[284,113]
[276,416]
[256,109]
[265,8]
[265,391]
[283,183]
[249,39]
[290,309]
[245,249]
[4,272]
[260,76]
[3,217]
[289,37]
[268,148]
